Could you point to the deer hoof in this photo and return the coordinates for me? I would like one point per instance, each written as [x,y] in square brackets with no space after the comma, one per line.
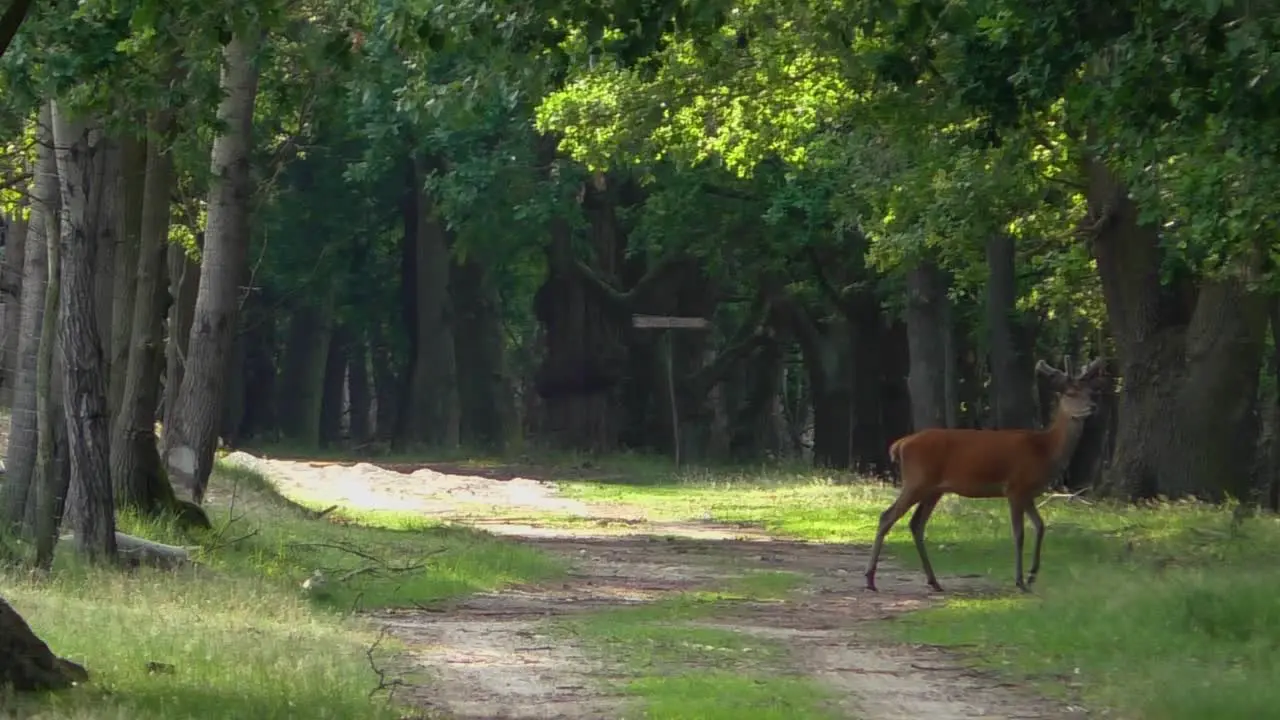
[871,584]
[933,584]
[1023,587]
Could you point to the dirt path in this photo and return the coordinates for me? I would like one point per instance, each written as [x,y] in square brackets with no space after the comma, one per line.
[490,656]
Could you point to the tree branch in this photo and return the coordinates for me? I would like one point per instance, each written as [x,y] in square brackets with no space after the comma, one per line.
[624,299]
[11,21]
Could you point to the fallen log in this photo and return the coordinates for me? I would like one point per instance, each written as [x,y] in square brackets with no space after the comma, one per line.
[138,551]
[26,662]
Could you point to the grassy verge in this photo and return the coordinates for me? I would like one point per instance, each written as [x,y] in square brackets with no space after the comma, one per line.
[1166,612]
[238,637]
[677,669]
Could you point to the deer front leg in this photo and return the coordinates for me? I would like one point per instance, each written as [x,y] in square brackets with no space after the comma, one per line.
[1017,512]
[1038,523]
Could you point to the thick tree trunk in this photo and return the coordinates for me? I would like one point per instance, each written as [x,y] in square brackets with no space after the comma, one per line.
[189,442]
[334,387]
[184,283]
[139,479]
[20,462]
[300,391]
[584,355]
[484,391]
[106,237]
[26,662]
[1012,401]
[259,419]
[15,253]
[234,390]
[927,330]
[1189,357]
[131,182]
[386,386]
[431,415]
[360,388]
[80,175]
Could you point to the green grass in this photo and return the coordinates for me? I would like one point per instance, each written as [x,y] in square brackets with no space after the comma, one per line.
[1164,612]
[241,637]
[680,670]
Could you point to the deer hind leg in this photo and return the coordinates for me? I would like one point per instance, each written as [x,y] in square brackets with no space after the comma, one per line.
[918,520]
[1017,512]
[887,520]
[1038,523]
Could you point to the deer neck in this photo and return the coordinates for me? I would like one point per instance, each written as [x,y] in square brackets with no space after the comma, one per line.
[1064,435]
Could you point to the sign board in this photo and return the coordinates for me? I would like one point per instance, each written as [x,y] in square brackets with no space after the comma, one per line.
[661,321]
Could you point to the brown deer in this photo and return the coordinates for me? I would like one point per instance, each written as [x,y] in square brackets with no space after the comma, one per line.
[1015,464]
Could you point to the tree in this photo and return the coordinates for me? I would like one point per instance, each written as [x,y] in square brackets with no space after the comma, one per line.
[189,442]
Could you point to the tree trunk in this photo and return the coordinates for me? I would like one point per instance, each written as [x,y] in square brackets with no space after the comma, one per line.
[300,391]
[584,355]
[106,237]
[15,252]
[131,182]
[927,331]
[360,388]
[26,662]
[184,283]
[20,462]
[386,386]
[431,415]
[189,442]
[1012,401]
[486,396]
[1189,355]
[334,386]
[259,419]
[80,175]
[139,479]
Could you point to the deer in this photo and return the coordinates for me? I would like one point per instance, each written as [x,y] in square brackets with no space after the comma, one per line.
[1015,464]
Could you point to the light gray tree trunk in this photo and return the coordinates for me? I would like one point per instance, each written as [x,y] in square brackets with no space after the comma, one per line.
[190,440]
[15,252]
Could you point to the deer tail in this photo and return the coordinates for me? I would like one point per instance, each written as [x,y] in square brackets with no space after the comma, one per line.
[895,456]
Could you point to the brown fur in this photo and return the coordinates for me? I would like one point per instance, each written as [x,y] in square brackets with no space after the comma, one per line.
[1015,464]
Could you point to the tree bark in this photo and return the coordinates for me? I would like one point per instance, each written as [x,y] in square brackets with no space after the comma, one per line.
[927,330]
[26,662]
[386,386]
[486,396]
[431,415]
[300,391]
[106,237]
[334,386]
[15,252]
[360,388]
[139,479]
[80,174]
[259,328]
[189,442]
[20,462]
[131,190]
[184,283]
[1190,353]
[1012,401]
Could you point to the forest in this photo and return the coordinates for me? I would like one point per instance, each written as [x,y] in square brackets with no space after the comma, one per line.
[382,227]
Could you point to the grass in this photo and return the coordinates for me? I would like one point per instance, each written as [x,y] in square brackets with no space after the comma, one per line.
[679,670]
[1164,612]
[238,637]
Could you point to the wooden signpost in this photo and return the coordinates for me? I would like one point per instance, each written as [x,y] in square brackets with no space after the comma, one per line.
[668,322]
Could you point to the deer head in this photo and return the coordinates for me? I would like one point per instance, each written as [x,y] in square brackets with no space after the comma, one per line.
[1075,394]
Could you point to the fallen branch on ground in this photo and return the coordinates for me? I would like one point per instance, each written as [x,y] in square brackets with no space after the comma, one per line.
[388,685]
[1065,496]
[140,551]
